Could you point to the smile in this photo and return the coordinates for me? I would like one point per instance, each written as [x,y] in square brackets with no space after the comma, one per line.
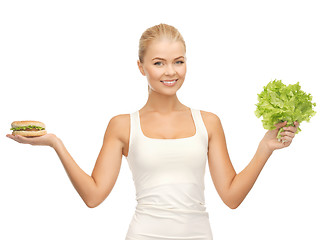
[169,82]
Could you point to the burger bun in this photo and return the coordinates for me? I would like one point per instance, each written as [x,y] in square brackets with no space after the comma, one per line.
[26,123]
[30,133]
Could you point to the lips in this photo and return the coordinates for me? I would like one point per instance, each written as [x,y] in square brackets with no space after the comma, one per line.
[169,80]
[169,83]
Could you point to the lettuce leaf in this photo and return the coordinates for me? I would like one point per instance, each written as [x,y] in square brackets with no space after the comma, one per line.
[279,103]
[27,127]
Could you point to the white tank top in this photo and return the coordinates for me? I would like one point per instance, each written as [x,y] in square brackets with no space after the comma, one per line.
[168,175]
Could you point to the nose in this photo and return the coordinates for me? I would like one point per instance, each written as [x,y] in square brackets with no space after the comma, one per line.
[170,70]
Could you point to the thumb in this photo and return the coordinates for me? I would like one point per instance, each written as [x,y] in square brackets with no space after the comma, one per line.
[280,124]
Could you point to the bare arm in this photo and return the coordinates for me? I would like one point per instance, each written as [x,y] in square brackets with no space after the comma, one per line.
[95,188]
[243,182]
[232,187]
[82,182]
[92,189]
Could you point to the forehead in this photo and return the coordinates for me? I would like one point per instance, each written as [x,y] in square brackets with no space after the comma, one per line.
[165,48]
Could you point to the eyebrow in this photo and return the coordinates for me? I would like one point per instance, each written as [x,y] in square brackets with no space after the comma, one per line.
[165,59]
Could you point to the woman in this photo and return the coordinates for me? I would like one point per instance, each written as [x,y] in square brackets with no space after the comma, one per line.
[166,145]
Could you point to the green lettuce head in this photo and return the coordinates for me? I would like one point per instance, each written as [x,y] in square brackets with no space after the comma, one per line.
[279,103]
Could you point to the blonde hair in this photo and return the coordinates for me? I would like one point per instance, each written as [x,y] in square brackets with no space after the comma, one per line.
[158,32]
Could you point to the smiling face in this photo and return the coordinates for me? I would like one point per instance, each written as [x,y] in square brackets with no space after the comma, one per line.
[164,61]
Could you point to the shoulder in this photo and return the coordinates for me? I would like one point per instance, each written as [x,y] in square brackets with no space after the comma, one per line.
[211,121]
[209,116]
[119,120]
[119,127]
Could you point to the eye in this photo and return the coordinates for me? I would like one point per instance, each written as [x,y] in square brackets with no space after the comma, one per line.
[179,62]
[157,63]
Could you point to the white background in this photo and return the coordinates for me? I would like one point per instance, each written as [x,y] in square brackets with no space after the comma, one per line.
[72,65]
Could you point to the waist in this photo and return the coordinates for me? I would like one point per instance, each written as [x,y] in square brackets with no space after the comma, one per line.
[178,197]
[154,222]
[168,211]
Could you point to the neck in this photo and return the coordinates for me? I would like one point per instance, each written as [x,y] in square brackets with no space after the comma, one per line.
[163,103]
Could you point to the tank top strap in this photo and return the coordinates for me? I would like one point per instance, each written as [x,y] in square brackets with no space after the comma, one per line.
[135,124]
[200,126]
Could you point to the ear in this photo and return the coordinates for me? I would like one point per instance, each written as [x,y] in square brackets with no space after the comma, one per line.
[141,67]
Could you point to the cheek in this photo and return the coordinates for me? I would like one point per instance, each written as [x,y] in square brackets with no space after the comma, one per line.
[182,71]
[154,73]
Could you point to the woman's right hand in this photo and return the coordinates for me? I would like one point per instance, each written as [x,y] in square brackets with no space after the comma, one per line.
[48,139]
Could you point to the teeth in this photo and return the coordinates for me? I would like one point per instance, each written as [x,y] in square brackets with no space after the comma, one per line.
[169,81]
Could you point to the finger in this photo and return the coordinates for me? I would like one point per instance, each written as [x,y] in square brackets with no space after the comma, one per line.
[294,129]
[286,139]
[280,124]
[283,143]
[22,139]
[290,128]
[288,133]
[9,136]
[18,138]
[286,143]
[13,137]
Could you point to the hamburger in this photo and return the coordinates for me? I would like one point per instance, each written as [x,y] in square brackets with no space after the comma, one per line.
[28,128]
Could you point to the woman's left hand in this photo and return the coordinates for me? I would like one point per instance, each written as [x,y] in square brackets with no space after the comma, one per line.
[270,138]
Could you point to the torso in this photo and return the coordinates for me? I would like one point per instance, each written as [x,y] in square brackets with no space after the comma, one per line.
[154,125]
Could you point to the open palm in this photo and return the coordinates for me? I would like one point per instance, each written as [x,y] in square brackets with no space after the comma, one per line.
[45,140]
